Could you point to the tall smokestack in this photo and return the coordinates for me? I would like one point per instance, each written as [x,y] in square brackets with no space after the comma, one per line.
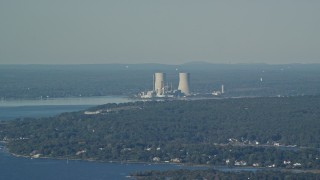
[153,83]
[159,80]
[184,81]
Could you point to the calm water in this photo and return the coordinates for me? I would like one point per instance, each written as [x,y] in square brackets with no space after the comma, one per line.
[66,101]
[13,168]
[48,107]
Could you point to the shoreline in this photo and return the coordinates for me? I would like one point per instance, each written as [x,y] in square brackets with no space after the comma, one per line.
[204,166]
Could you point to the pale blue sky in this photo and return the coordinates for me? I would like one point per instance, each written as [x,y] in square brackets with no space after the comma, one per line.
[163,31]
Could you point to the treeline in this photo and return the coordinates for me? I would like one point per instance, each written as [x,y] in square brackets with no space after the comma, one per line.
[36,81]
[44,81]
[196,131]
[219,175]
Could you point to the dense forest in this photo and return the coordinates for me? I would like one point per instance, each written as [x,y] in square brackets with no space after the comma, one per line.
[262,132]
[42,81]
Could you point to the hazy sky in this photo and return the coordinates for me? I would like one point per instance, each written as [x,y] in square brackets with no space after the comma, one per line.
[162,31]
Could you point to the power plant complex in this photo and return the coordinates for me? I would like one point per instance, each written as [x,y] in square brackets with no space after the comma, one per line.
[161,87]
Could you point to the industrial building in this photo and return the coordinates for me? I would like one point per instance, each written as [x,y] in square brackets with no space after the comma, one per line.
[161,88]
[159,80]
[184,83]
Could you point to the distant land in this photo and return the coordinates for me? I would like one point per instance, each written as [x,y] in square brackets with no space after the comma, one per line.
[266,121]
[42,81]
[264,132]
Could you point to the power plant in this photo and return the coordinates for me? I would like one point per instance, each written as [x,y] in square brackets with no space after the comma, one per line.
[184,82]
[161,89]
[158,83]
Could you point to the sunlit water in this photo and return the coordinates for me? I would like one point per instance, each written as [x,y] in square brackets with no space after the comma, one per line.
[13,109]
[65,101]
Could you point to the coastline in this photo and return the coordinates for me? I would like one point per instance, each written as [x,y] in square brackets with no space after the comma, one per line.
[233,168]
[190,165]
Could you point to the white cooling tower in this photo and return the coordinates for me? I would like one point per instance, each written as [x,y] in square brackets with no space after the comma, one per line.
[184,81]
[158,81]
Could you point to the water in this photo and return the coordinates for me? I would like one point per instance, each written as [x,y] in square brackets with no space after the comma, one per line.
[13,168]
[237,169]
[9,113]
[65,101]
[48,107]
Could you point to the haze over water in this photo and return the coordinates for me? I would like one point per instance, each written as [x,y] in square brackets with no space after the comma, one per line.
[65,101]
[13,109]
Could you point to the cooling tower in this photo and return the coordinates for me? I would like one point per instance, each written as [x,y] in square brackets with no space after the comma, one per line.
[158,81]
[184,81]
